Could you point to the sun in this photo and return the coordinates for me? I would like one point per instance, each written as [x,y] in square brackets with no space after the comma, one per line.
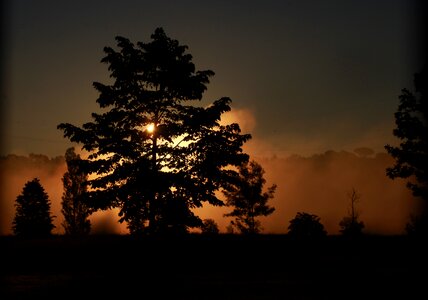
[150,128]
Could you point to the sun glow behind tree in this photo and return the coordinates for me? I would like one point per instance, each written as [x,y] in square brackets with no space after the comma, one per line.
[155,157]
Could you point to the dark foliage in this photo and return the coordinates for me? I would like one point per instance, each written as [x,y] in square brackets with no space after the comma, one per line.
[155,156]
[351,227]
[33,217]
[411,156]
[306,226]
[245,195]
[412,129]
[74,208]
[209,227]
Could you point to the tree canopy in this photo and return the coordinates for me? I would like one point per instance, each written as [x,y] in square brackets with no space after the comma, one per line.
[152,154]
[411,156]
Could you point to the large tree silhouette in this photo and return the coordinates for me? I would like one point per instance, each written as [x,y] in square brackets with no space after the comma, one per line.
[33,217]
[156,156]
[411,156]
[245,195]
[74,208]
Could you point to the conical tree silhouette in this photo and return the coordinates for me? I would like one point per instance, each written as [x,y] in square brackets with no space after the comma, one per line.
[33,217]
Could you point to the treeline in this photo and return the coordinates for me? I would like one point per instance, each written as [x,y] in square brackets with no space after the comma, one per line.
[156,158]
[298,177]
[247,199]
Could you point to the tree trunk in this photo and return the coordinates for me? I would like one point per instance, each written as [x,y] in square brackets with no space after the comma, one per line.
[152,212]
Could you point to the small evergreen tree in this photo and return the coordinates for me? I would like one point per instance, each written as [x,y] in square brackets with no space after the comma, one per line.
[245,194]
[74,209]
[33,217]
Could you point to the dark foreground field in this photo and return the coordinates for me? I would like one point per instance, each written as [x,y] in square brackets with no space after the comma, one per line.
[220,267]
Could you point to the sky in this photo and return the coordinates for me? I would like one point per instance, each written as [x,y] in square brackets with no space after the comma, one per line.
[309,76]
[305,77]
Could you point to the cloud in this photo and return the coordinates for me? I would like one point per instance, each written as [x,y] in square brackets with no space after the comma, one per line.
[244,117]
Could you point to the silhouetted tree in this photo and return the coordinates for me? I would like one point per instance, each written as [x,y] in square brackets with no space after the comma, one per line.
[245,195]
[33,217]
[350,225]
[411,156]
[74,208]
[209,226]
[155,156]
[306,226]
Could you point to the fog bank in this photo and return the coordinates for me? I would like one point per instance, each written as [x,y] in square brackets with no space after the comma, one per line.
[317,184]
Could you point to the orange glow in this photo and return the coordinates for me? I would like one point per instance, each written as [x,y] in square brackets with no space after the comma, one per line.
[309,184]
[150,128]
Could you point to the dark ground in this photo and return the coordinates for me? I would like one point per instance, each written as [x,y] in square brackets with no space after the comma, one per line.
[219,267]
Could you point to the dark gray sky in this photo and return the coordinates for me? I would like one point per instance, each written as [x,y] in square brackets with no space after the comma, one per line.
[305,76]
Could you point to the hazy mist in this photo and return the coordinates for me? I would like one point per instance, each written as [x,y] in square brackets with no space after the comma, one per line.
[317,184]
